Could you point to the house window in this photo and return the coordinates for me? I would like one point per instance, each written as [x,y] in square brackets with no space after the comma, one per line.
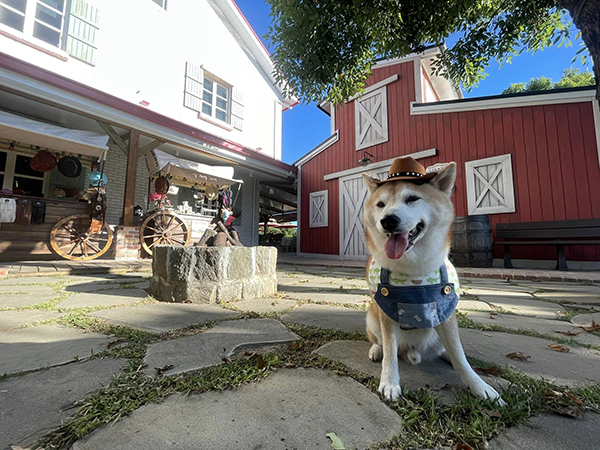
[215,99]
[370,112]
[490,188]
[82,35]
[319,209]
[161,3]
[16,173]
[42,19]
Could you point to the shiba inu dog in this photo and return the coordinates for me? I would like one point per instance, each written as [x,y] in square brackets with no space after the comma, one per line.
[414,287]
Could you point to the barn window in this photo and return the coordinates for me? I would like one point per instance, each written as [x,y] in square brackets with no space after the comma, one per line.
[319,206]
[490,188]
[370,112]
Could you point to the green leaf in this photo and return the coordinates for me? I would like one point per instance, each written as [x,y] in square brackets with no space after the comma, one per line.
[336,442]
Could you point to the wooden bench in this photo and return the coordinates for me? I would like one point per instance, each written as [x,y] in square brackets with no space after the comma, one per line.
[557,233]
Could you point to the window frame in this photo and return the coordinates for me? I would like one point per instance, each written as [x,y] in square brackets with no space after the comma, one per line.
[9,170]
[384,118]
[505,165]
[30,20]
[216,82]
[324,209]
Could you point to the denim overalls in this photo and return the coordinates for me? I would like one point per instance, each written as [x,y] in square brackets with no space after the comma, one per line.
[417,306]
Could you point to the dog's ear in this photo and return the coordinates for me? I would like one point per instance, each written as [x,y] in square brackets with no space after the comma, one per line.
[372,183]
[445,178]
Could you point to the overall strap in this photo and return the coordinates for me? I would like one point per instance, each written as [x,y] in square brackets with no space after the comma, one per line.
[385,276]
[443,274]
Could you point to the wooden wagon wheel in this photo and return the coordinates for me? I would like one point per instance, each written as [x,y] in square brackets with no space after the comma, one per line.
[72,239]
[163,228]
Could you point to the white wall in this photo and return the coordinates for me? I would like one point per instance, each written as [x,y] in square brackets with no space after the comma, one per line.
[142,51]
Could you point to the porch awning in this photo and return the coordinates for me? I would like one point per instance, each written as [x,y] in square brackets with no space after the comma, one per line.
[193,172]
[29,131]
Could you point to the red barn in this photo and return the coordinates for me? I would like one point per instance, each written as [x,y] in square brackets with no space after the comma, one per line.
[521,158]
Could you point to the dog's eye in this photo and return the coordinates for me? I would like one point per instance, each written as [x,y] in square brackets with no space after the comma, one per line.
[380,205]
[412,199]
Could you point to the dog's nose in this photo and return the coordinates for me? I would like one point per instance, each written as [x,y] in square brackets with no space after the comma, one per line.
[390,223]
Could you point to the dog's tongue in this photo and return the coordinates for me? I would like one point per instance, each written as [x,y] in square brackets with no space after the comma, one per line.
[396,244]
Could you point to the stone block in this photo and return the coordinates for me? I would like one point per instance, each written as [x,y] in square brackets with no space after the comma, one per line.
[241,263]
[180,263]
[229,292]
[200,292]
[160,260]
[266,260]
[211,264]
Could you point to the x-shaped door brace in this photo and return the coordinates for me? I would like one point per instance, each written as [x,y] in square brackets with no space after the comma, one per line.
[318,209]
[370,118]
[487,185]
[354,212]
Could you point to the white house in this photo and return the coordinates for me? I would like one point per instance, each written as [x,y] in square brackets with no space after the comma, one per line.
[189,77]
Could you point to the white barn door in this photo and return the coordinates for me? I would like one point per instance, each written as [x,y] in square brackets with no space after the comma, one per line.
[353,195]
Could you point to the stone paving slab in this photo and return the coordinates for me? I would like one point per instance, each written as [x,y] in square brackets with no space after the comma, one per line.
[47,345]
[585,320]
[437,375]
[265,305]
[329,297]
[507,291]
[25,296]
[34,404]
[551,432]
[111,297]
[290,409]
[95,286]
[561,287]
[162,317]
[17,319]
[466,304]
[546,326]
[38,290]
[31,280]
[205,349]
[524,306]
[575,368]
[329,317]
[571,297]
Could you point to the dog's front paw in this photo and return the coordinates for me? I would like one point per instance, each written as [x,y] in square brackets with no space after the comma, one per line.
[390,391]
[486,391]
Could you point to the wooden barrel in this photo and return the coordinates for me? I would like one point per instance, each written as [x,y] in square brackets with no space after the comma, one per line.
[472,242]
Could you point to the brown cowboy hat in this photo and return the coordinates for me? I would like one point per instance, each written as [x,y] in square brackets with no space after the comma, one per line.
[408,169]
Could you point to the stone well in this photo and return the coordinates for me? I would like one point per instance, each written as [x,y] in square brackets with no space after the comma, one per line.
[213,274]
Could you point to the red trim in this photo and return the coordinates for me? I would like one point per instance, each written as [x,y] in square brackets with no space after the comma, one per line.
[29,70]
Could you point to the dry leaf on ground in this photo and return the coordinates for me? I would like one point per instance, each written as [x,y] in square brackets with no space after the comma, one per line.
[520,356]
[336,442]
[461,446]
[260,361]
[226,359]
[568,333]
[161,370]
[559,348]
[115,342]
[569,411]
[574,398]
[493,371]
[593,327]
[494,413]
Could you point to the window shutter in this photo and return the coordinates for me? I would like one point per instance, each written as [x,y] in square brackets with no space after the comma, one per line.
[84,23]
[490,187]
[237,108]
[194,77]
[371,122]
[318,211]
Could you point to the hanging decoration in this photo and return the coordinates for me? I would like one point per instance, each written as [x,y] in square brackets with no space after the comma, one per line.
[43,161]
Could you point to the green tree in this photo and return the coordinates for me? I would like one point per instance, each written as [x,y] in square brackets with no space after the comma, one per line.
[570,78]
[325,49]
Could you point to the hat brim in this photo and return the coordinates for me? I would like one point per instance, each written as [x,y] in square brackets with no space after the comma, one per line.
[424,179]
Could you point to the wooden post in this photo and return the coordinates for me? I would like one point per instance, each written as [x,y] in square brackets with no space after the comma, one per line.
[130,178]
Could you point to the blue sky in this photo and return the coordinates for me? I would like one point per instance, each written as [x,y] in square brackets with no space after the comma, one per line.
[305,126]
